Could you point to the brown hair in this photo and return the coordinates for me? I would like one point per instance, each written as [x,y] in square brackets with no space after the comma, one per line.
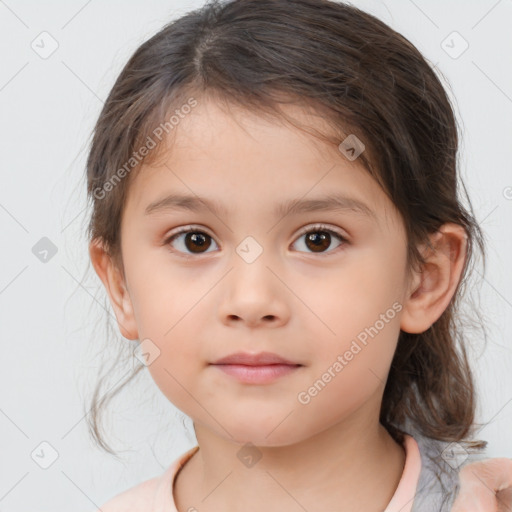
[364,79]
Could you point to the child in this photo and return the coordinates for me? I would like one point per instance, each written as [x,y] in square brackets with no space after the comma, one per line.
[276,220]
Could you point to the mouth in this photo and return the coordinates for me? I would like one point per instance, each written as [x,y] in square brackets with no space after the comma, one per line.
[253,359]
[257,374]
[256,368]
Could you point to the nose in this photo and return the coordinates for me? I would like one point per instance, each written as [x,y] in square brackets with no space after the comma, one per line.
[254,295]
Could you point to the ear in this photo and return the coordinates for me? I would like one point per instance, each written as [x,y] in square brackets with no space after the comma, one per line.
[114,283]
[432,288]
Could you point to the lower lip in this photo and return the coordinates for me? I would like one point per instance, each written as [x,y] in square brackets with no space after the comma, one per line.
[257,374]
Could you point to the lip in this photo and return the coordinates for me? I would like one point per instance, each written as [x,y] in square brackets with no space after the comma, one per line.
[258,374]
[261,368]
[259,359]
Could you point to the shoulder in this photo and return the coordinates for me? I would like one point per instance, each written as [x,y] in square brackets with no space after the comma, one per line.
[152,495]
[441,463]
[137,498]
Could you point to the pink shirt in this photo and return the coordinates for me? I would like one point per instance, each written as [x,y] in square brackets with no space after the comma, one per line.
[156,494]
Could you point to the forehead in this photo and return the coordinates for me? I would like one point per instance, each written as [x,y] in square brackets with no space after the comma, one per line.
[235,157]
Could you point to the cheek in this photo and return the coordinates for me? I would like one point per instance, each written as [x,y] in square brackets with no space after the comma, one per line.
[166,311]
[162,294]
[358,317]
[348,372]
[353,295]
[180,359]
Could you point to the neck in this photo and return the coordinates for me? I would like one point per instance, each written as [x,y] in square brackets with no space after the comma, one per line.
[330,471]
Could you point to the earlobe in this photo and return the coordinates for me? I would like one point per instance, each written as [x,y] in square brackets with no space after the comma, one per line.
[433,287]
[115,286]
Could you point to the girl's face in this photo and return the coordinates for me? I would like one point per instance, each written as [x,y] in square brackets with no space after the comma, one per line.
[250,281]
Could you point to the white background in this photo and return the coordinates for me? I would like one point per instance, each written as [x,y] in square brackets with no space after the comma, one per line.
[51,315]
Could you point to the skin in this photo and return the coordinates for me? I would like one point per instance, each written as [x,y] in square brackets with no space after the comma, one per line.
[485,486]
[304,305]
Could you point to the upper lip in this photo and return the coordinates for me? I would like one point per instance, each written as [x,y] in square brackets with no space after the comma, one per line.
[260,359]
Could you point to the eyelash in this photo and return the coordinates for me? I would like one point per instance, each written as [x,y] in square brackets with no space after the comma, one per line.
[309,229]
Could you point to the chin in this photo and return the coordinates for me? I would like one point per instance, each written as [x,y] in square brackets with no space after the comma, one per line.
[263,434]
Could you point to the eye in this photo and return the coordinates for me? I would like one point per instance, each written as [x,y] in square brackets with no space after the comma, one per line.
[319,237]
[197,241]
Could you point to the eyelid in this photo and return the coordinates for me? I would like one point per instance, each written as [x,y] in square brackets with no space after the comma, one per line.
[302,231]
[190,227]
[321,226]
[186,229]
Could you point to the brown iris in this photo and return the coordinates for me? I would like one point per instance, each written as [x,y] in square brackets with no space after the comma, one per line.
[318,240]
[196,239]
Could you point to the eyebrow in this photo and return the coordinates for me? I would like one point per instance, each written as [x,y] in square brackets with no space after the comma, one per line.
[331,202]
